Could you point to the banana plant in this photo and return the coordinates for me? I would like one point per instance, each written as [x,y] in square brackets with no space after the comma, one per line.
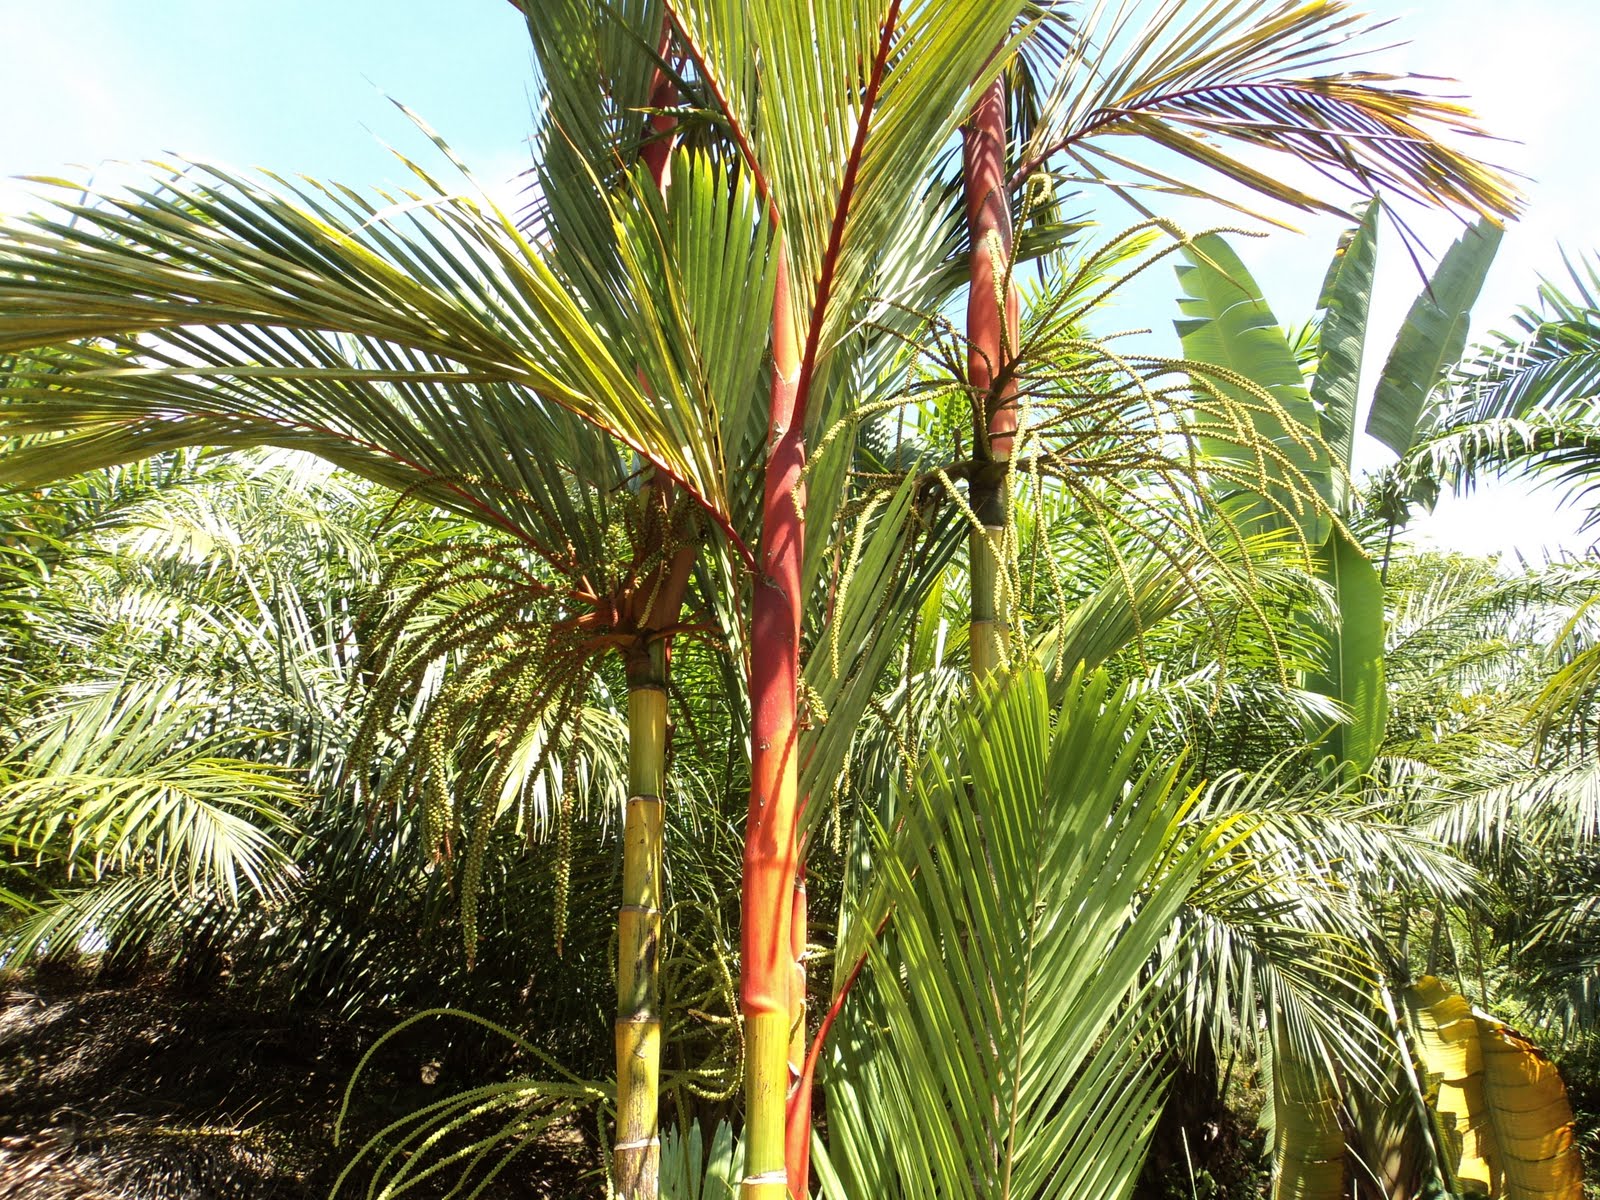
[1228,324]
[1501,1106]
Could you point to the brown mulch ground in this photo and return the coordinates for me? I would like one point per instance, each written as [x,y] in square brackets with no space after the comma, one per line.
[144,1092]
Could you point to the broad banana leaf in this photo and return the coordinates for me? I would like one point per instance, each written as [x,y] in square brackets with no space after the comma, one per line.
[1501,1106]
[1346,303]
[1308,1147]
[1231,326]
[1432,338]
[1354,676]
[1228,324]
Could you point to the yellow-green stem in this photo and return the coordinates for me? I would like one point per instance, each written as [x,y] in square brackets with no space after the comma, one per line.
[766,1057]
[989,630]
[636,1156]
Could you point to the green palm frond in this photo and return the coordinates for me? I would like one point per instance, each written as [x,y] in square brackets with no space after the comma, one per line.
[884,577]
[133,777]
[123,913]
[1289,935]
[1197,601]
[1551,361]
[1525,401]
[488,1125]
[1192,79]
[588,137]
[1563,447]
[694,1167]
[840,109]
[419,340]
[1557,809]
[481,705]
[1003,1007]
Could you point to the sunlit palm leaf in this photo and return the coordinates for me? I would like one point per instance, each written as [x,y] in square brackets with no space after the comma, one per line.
[1289,936]
[891,567]
[1004,1013]
[1193,78]
[1526,401]
[123,779]
[840,109]
[423,342]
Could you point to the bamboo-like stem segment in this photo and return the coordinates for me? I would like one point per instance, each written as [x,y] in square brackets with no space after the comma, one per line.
[989,630]
[770,850]
[766,1089]
[636,1157]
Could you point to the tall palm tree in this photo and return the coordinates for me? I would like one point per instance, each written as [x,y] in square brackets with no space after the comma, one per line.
[1193,79]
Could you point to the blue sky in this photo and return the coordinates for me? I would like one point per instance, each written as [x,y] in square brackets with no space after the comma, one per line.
[295,85]
[298,86]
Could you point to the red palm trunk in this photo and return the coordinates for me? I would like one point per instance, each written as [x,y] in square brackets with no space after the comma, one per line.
[992,322]
[992,330]
[797,1114]
[771,854]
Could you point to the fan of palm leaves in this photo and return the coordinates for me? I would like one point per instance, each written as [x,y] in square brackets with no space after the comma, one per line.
[1007,927]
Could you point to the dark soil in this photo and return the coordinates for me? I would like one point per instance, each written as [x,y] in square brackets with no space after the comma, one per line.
[147,1092]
